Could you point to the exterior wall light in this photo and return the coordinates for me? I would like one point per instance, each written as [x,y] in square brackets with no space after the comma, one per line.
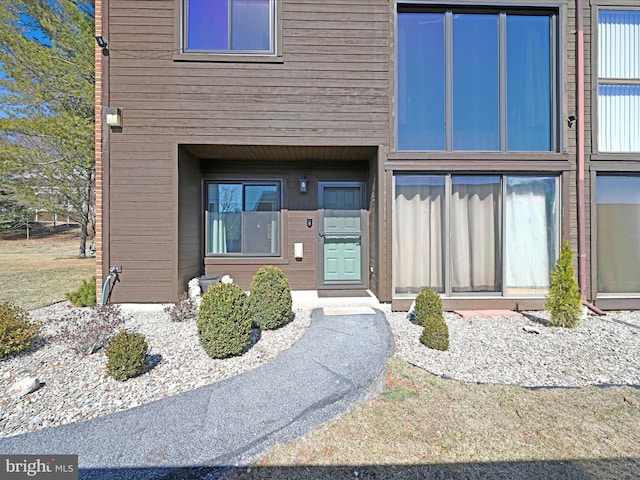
[303,184]
[113,117]
[102,43]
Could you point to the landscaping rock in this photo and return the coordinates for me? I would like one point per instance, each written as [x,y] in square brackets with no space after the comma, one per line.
[24,387]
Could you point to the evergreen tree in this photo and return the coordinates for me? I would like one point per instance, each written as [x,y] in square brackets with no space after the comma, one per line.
[564,301]
[47,106]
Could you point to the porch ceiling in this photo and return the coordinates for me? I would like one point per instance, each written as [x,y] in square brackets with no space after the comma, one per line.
[275,153]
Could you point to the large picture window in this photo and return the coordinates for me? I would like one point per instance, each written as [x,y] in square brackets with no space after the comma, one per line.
[229,26]
[476,81]
[243,218]
[475,234]
[618,218]
[619,80]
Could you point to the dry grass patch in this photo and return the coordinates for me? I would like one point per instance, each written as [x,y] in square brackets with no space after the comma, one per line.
[424,426]
[39,271]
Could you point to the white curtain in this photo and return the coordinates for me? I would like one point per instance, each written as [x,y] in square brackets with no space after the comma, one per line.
[475,234]
[217,233]
[618,58]
[531,232]
[418,234]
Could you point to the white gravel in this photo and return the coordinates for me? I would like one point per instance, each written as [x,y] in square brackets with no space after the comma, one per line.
[76,387]
[601,351]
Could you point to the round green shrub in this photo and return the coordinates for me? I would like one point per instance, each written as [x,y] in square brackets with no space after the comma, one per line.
[428,304]
[224,324]
[85,296]
[16,331]
[435,334]
[270,298]
[127,355]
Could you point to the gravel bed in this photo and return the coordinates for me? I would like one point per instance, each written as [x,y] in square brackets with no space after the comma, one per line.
[76,387]
[600,351]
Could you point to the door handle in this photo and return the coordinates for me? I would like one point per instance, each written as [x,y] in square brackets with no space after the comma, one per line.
[321,235]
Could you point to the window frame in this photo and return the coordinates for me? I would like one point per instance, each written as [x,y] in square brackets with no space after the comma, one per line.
[237,56]
[596,241]
[447,260]
[596,7]
[278,183]
[552,10]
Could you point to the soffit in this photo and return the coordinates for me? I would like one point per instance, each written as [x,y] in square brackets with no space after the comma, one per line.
[281,153]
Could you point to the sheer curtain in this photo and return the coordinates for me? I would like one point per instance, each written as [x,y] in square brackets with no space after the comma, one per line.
[531,229]
[418,233]
[618,58]
[475,234]
[217,233]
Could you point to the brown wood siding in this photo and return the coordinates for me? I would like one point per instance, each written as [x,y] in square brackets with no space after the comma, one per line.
[297,207]
[330,89]
[373,266]
[189,219]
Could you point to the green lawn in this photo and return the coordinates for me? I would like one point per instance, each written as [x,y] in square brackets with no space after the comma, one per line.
[424,426]
[39,271]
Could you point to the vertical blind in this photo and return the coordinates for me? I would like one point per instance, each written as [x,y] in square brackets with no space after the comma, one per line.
[619,59]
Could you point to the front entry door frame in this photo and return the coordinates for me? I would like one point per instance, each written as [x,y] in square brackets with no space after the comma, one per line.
[326,236]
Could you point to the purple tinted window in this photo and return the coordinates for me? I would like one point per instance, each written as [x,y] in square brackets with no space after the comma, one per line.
[225,25]
[208,25]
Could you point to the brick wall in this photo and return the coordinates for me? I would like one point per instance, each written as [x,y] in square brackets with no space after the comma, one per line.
[98,149]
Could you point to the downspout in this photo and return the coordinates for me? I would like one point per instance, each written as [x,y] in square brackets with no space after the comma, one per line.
[582,227]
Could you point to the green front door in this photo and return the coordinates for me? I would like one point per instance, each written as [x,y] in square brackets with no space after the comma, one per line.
[341,231]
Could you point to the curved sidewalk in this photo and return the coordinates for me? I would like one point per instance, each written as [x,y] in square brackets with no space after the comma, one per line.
[339,361]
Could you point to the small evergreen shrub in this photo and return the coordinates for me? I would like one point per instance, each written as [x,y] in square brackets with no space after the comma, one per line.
[87,330]
[16,331]
[428,304]
[270,298]
[224,323]
[85,296]
[428,313]
[126,355]
[182,309]
[564,301]
[435,334]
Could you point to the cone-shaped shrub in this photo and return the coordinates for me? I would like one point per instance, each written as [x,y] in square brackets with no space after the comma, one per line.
[564,302]
[270,298]
[428,312]
[224,324]
[127,355]
[428,304]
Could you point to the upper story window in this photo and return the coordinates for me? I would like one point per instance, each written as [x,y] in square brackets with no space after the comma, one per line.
[477,80]
[619,80]
[229,26]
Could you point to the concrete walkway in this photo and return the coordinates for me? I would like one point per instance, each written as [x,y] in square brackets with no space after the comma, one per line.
[339,361]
